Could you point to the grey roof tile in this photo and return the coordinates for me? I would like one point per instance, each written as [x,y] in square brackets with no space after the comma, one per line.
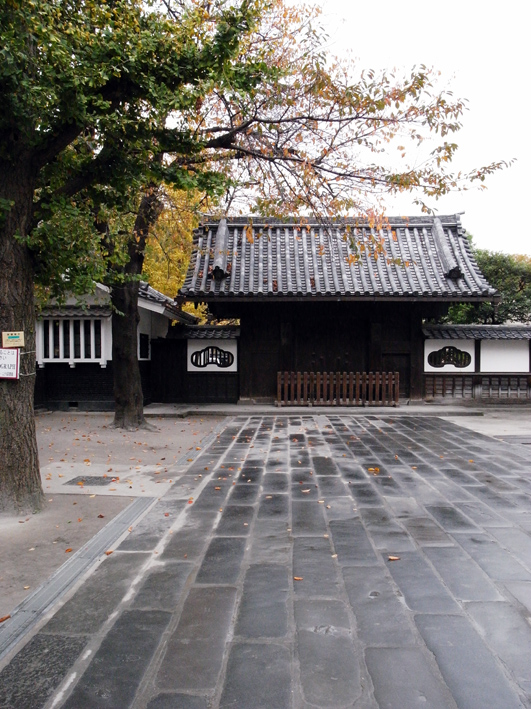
[422,257]
[477,332]
[145,292]
[206,332]
[76,311]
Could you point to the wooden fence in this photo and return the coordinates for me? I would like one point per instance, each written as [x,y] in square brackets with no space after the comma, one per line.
[337,388]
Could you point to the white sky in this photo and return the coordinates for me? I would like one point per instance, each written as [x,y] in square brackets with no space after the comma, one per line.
[483,52]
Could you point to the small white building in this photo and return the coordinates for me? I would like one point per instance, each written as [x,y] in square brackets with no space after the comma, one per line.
[74,347]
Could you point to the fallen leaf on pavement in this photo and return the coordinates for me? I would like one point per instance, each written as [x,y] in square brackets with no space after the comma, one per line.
[67,551]
[101,516]
[6,617]
[108,553]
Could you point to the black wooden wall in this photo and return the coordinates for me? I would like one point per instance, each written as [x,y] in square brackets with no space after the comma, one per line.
[171,383]
[321,336]
[87,386]
[275,336]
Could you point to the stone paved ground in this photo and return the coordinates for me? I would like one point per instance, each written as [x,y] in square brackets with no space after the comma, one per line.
[308,561]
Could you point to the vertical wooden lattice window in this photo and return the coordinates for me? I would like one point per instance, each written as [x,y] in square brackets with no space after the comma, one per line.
[449,355]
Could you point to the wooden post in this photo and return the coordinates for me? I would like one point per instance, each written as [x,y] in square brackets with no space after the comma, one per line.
[416,369]
[397,388]
[345,390]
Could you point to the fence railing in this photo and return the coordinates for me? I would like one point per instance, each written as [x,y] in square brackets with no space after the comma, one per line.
[337,388]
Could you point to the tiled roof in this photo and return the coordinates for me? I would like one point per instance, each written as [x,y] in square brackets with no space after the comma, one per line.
[477,332]
[76,311]
[423,257]
[212,333]
[149,293]
[102,310]
[171,309]
[208,332]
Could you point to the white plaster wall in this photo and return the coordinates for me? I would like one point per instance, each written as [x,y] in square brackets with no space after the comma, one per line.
[152,324]
[227,345]
[505,356]
[463,345]
[144,324]
[159,325]
[106,337]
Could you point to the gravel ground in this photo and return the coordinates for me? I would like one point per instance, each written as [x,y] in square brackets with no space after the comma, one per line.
[33,546]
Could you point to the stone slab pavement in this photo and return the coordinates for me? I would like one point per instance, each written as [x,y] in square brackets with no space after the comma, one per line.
[312,560]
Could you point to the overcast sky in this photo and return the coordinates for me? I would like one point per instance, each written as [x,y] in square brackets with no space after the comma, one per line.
[482,50]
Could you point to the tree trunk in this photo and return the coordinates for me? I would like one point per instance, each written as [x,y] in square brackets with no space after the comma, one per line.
[20,481]
[128,396]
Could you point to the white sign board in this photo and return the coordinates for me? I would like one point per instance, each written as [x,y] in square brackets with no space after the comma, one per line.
[13,339]
[9,363]
[212,356]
